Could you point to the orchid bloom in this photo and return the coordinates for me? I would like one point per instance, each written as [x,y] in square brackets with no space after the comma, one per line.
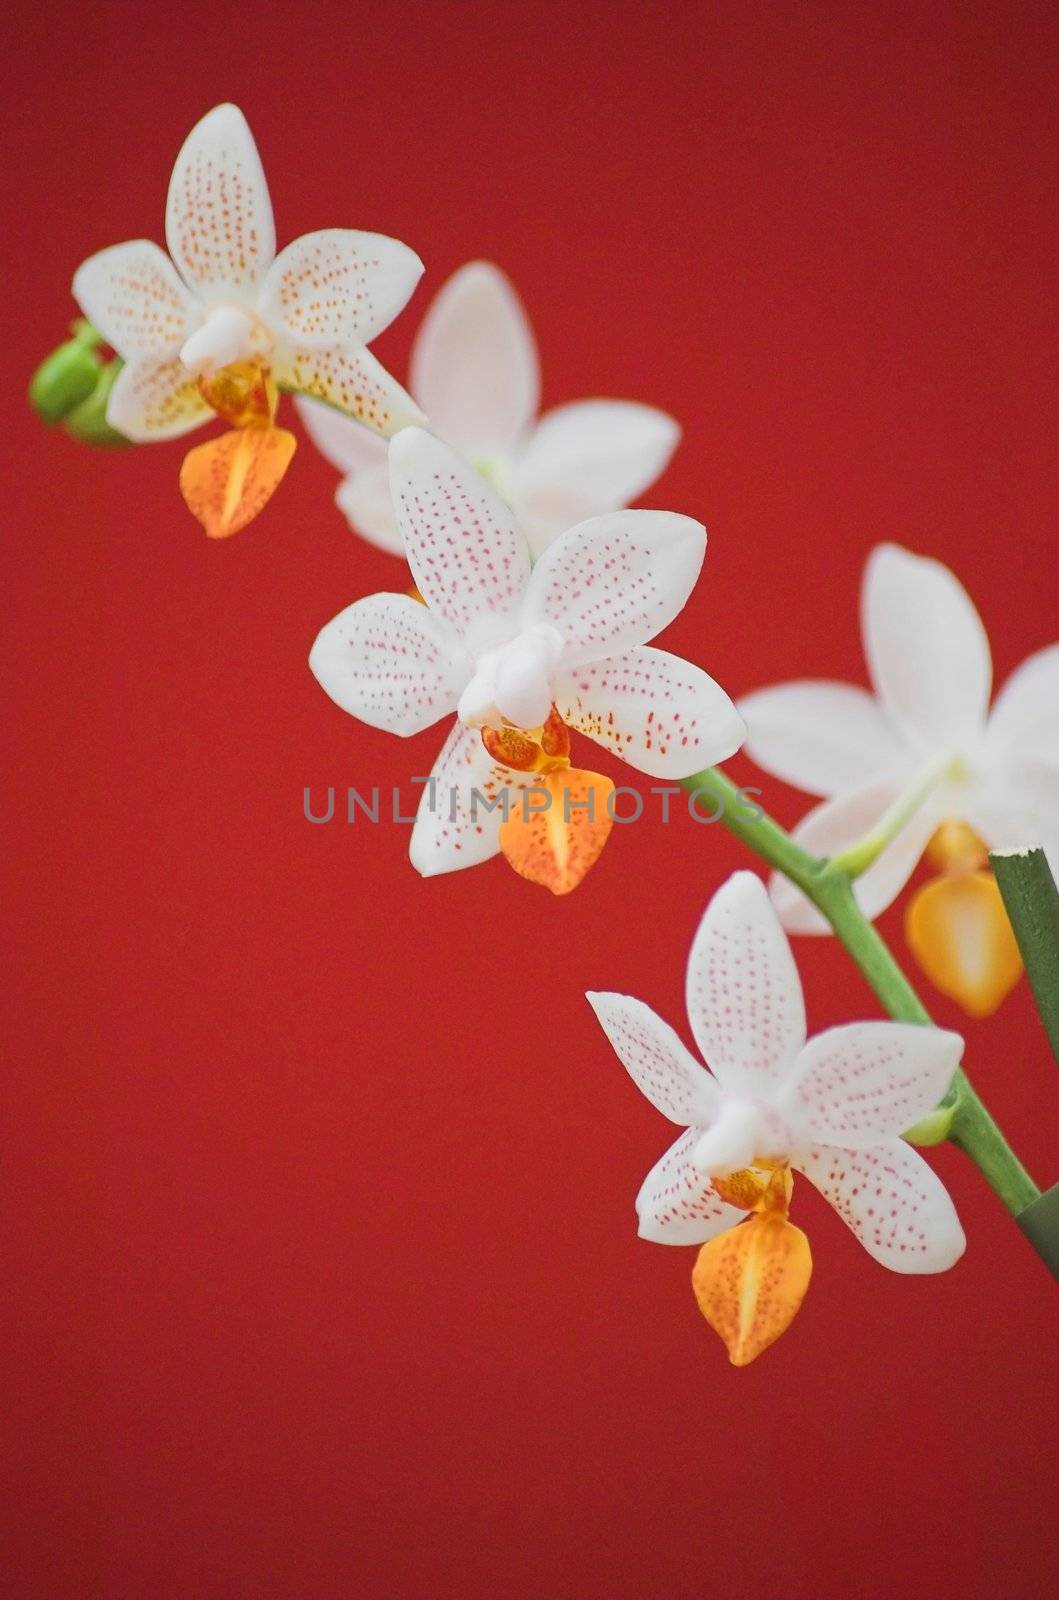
[474,371]
[216,326]
[924,764]
[832,1109]
[522,656]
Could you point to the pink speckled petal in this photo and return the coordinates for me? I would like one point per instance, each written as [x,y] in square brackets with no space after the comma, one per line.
[388,661]
[867,1081]
[662,715]
[337,286]
[452,828]
[474,363]
[893,1201]
[656,1060]
[615,581]
[744,996]
[352,380]
[468,558]
[133,295]
[154,400]
[677,1204]
[218,219]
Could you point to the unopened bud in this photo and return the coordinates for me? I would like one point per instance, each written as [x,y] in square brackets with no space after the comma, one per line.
[88,421]
[67,377]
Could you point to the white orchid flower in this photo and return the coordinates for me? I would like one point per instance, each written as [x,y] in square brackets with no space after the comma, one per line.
[831,1108]
[501,644]
[925,751]
[474,371]
[223,299]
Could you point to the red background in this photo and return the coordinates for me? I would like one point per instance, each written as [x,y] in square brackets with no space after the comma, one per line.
[323,1274]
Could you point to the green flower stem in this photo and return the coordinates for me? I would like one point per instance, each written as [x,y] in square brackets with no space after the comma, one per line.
[858,857]
[829,888]
[1032,903]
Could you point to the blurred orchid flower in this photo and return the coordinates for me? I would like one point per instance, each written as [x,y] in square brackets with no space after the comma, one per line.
[831,1108]
[522,655]
[222,321]
[925,752]
[474,370]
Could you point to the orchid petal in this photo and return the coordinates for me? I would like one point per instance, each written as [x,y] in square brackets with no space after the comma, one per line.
[218,220]
[750,1282]
[867,1081]
[365,501]
[658,1062]
[337,286]
[229,480]
[677,1204]
[960,935]
[391,663]
[587,458]
[927,650]
[468,558]
[893,1201]
[347,444]
[1025,716]
[154,400]
[352,380]
[1015,803]
[820,736]
[662,715]
[615,581]
[744,997]
[830,827]
[453,828]
[133,295]
[474,363]
[555,844]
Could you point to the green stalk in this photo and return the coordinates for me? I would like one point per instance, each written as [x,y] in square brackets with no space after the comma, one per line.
[1032,903]
[829,888]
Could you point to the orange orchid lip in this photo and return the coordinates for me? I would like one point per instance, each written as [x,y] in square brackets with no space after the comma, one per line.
[750,1281]
[228,481]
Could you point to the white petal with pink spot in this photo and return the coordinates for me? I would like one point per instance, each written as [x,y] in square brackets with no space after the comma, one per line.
[774,1098]
[656,1060]
[388,661]
[676,1205]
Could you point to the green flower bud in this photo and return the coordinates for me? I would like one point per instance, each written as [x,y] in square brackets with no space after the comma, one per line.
[934,1127]
[68,376]
[88,421]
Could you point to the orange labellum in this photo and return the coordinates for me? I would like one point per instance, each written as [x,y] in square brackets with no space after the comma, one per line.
[745,1189]
[750,1281]
[959,933]
[242,393]
[512,747]
[227,481]
[555,737]
[955,847]
[545,749]
[557,844]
